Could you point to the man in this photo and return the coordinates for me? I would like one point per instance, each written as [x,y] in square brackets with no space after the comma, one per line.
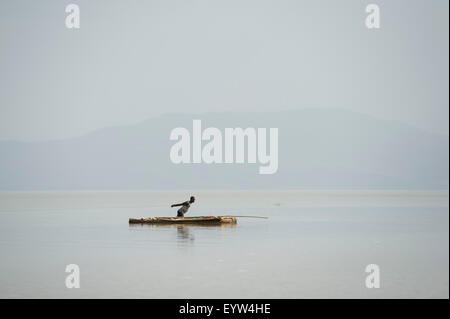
[184,207]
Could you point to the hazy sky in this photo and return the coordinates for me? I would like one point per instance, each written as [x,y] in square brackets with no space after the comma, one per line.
[132,60]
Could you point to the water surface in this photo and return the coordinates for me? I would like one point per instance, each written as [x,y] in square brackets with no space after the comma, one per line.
[315,244]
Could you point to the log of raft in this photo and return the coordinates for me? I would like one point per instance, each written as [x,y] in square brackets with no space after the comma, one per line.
[185,220]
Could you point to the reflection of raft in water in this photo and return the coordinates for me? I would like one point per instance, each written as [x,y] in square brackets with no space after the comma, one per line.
[202,220]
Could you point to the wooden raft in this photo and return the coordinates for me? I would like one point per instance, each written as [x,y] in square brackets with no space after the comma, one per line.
[185,220]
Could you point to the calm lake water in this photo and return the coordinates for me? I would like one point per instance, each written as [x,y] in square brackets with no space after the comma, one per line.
[315,244]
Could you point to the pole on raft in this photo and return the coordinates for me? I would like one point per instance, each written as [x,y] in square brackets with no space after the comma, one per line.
[246,216]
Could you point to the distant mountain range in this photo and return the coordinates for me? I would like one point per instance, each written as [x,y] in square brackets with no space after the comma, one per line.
[318,149]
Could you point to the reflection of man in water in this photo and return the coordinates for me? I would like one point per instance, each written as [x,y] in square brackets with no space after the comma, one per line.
[183,233]
[184,207]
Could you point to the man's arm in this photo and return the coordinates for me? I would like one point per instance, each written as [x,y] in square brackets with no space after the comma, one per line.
[181,204]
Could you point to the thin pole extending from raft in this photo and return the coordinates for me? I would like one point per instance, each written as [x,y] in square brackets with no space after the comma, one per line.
[246,216]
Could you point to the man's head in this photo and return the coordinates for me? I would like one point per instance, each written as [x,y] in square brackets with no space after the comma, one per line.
[192,199]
